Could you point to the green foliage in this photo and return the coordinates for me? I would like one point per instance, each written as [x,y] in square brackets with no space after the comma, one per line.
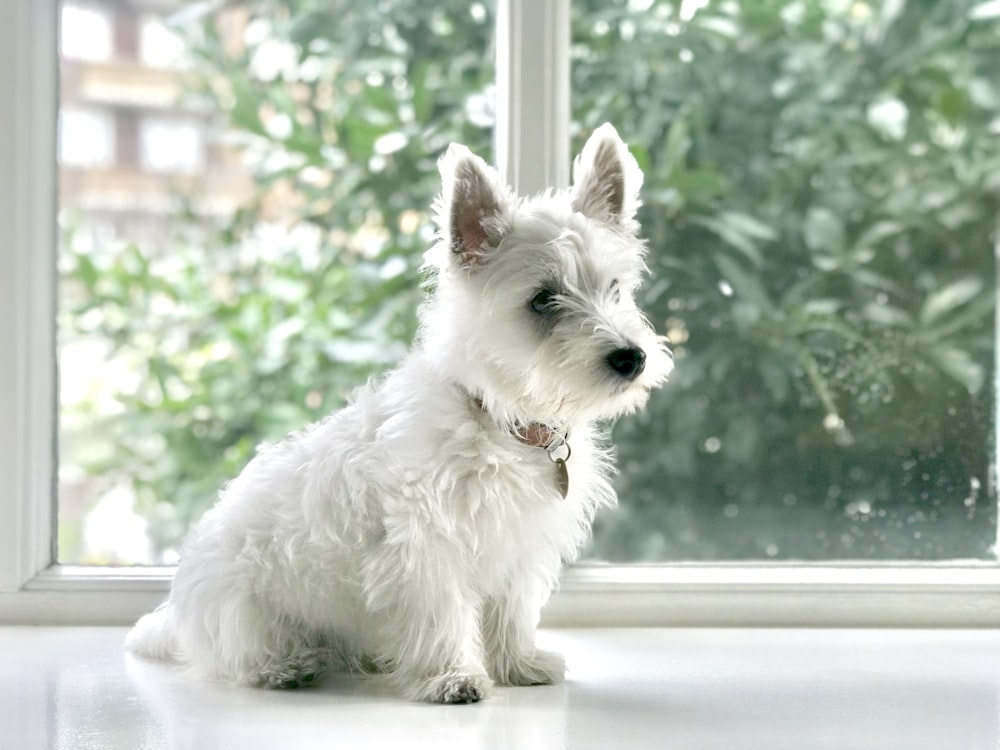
[821,201]
[251,328]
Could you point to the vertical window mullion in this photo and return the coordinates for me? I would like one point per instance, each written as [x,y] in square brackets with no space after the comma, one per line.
[993,473]
[28,84]
[533,101]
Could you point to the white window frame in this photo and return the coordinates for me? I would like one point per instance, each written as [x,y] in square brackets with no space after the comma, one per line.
[532,148]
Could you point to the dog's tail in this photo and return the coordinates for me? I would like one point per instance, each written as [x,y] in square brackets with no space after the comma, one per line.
[153,635]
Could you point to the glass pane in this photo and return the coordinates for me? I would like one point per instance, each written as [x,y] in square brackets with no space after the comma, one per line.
[821,200]
[245,195]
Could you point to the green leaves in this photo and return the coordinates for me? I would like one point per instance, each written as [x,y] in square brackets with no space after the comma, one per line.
[960,366]
[741,232]
[747,285]
[946,300]
[946,312]
[824,233]
[834,274]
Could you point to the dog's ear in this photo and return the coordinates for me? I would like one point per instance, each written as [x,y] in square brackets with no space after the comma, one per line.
[606,180]
[472,211]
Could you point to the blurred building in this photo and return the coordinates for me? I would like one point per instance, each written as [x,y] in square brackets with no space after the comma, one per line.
[134,147]
[136,151]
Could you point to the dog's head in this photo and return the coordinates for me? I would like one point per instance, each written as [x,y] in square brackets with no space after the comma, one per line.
[534,309]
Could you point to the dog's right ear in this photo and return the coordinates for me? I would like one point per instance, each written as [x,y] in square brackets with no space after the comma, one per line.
[472,211]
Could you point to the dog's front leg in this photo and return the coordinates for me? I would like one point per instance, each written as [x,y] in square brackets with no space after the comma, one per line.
[430,639]
[508,624]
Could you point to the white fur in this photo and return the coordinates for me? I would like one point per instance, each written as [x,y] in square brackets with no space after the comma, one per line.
[412,531]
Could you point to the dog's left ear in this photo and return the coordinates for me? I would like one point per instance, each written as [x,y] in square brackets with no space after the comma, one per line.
[606,180]
[473,208]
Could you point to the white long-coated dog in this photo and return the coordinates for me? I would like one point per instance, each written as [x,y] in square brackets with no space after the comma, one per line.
[419,530]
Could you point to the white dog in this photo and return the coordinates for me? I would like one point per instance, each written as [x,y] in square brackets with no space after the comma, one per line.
[419,530]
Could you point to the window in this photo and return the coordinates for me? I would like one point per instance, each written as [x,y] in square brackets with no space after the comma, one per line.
[534,129]
[87,32]
[177,362]
[171,145]
[821,206]
[159,46]
[86,138]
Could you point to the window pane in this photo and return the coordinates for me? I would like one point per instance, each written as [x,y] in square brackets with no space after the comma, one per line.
[171,144]
[245,197]
[85,31]
[86,137]
[821,204]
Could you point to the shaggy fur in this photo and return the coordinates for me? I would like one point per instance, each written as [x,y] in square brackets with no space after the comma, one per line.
[420,530]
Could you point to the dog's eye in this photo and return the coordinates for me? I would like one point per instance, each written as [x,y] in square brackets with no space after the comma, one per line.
[544,303]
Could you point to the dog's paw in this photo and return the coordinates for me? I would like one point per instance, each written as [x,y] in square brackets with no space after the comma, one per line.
[304,670]
[455,687]
[538,668]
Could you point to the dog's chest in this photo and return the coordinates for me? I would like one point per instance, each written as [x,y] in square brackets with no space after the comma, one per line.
[497,500]
[501,471]
[446,482]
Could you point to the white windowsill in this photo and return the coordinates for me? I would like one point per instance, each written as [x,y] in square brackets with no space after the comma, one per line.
[735,595]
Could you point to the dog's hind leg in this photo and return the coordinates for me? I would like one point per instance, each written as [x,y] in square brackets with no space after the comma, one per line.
[250,642]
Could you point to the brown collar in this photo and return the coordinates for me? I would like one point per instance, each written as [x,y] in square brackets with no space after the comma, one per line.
[535,434]
[538,435]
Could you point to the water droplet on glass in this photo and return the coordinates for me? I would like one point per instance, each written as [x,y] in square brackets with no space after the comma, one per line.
[858,507]
[832,422]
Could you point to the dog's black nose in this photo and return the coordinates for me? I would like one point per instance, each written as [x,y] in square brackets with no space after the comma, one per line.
[628,363]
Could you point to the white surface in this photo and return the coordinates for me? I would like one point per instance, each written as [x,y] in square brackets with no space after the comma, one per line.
[74,689]
[953,595]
